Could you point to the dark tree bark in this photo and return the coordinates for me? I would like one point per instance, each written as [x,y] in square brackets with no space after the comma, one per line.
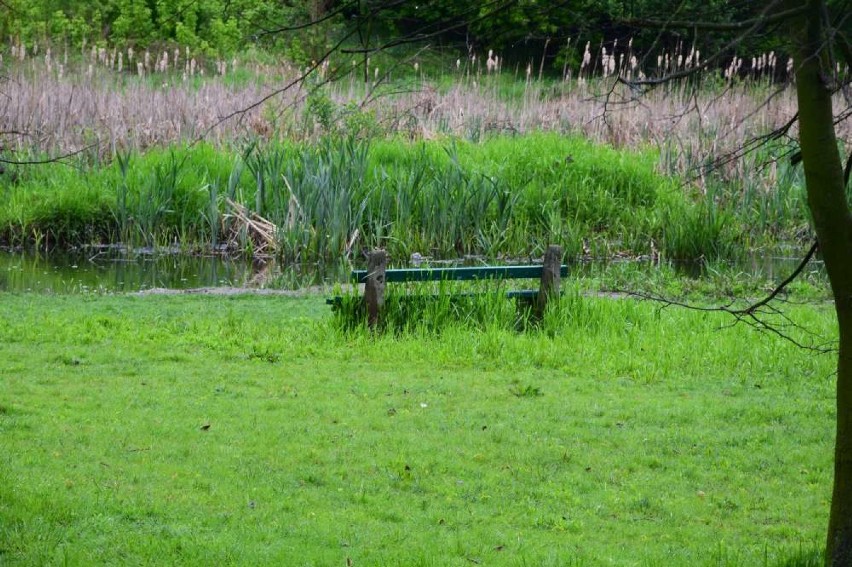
[832,222]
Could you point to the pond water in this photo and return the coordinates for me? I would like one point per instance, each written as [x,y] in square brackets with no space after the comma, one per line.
[114,269]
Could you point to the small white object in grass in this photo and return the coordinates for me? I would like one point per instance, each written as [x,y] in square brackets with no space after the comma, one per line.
[424,405]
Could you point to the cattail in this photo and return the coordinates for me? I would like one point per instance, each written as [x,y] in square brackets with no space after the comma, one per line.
[491,63]
[587,57]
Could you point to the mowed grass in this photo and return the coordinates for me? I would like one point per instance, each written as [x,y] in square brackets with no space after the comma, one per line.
[630,436]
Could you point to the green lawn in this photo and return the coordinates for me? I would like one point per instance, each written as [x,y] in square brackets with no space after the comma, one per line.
[630,436]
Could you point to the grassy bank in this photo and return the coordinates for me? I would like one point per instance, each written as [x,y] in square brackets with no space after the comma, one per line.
[246,430]
[506,196]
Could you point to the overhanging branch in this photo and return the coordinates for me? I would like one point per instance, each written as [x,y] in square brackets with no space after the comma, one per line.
[420,37]
[283,29]
[755,24]
[761,20]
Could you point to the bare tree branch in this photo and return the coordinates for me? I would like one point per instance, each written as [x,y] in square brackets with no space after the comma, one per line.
[56,159]
[298,80]
[751,24]
[706,63]
[418,37]
[757,314]
[337,11]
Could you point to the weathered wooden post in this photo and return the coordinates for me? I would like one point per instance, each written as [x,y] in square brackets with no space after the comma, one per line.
[374,287]
[551,279]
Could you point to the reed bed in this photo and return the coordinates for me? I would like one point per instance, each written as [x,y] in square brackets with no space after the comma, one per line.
[506,197]
[307,173]
[54,106]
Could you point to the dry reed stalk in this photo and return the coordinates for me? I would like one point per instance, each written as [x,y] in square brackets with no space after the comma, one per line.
[62,110]
[248,224]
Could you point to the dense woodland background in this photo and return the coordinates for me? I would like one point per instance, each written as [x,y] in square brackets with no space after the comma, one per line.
[520,30]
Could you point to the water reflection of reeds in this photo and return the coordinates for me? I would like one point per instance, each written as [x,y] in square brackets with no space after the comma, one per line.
[117,270]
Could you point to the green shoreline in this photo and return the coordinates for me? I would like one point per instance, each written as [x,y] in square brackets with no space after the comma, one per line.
[504,196]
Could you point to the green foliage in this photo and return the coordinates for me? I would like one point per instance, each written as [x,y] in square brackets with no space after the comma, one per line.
[521,31]
[504,197]
[205,26]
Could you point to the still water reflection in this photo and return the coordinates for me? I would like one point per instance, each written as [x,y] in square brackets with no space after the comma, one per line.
[119,270]
[116,271]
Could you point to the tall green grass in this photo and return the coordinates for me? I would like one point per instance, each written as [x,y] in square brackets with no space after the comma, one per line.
[506,197]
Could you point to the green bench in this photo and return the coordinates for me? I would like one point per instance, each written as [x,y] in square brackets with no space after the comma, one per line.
[377,276]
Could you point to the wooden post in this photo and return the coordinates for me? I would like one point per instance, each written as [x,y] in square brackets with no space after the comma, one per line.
[551,278]
[374,287]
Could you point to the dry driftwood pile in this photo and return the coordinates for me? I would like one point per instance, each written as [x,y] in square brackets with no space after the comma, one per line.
[247,226]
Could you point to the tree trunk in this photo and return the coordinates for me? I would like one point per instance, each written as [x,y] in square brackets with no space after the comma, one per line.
[833,225]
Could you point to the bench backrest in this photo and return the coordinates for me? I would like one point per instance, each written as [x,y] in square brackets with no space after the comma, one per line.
[458,274]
